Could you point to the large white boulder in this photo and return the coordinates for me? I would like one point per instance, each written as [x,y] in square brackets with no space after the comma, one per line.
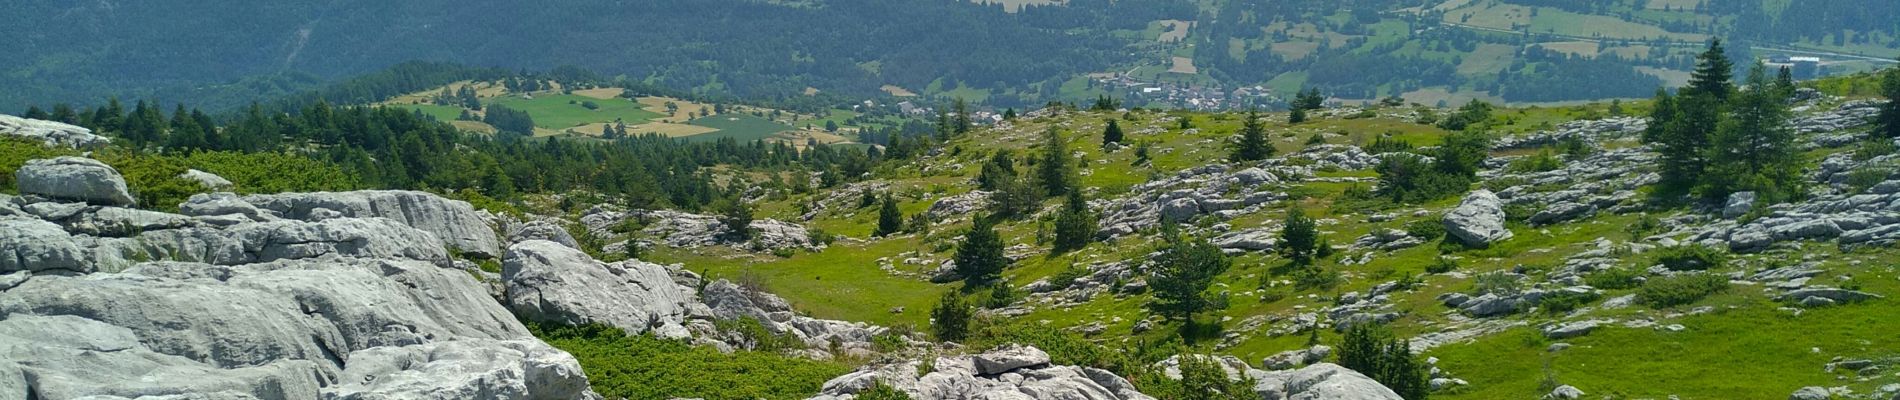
[1478,220]
[35,245]
[290,329]
[51,133]
[73,178]
[550,282]
[455,222]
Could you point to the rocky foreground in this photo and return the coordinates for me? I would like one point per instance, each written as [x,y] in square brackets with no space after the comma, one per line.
[377,295]
[357,295]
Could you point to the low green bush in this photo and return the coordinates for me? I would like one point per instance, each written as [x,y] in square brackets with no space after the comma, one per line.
[1427,229]
[1564,301]
[1691,258]
[1442,265]
[1613,279]
[1671,291]
[645,367]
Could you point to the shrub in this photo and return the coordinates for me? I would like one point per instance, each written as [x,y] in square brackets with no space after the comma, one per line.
[1202,377]
[1644,226]
[1386,144]
[950,321]
[1442,265]
[881,391]
[1428,229]
[1062,280]
[1613,279]
[1316,139]
[1498,282]
[1690,258]
[1862,179]
[759,338]
[1664,292]
[1542,161]
[1315,277]
[1372,350]
[645,367]
[1565,301]
[1001,295]
[1873,148]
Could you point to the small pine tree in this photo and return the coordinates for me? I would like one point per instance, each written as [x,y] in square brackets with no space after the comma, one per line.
[950,321]
[1009,114]
[889,219]
[1253,144]
[1001,168]
[1714,73]
[1297,116]
[1112,134]
[1886,125]
[736,215]
[980,257]
[1183,272]
[1372,350]
[1299,239]
[1141,152]
[1075,227]
[1403,373]
[1055,171]
[1753,148]
[962,120]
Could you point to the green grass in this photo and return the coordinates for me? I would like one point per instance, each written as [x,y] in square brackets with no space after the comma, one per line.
[644,367]
[841,282]
[440,113]
[738,126]
[553,111]
[1738,344]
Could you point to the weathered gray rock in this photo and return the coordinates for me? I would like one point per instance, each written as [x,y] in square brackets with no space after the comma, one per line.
[1478,220]
[316,313]
[454,222]
[1319,382]
[34,245]
[1810,393]
[250,243]
[1570,329]
[549,282]
[1491,305]
[1009,358]
[510,369]
[687,230]
[51,133]
[1291,359]
[207,180]
[220,203]
[1834,294]
[1561,212]
[542,230]
[123,222]
[1565,392]
[1739,204]
[74,178]
[959,378]
[1387,240]
[1248,240]
[958,205]
[69,357]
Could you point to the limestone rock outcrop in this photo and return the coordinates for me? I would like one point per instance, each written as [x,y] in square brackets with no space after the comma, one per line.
[1478,220]
[455,222]
[550,282]
[74,178]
